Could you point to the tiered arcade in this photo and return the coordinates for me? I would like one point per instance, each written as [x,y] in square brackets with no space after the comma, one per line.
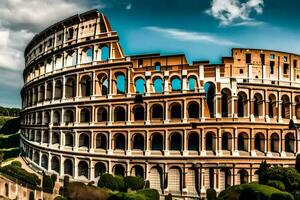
[89,109]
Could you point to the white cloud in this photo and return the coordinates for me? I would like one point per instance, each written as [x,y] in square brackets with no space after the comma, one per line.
[128,7]
[231,12]
[191,36]
[20,20]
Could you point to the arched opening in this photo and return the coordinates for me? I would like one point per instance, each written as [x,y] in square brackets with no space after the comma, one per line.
[58,90]
[45,137]
[211,177]
[41,95]
[69,140]
[242,142]
[258,105]
[44,163]
[68,167]
[137,170]
[119,114]
[210,97]
[86,86]
[297,107]
[89,55]
[120,83]
[289,141]
[84,140]
[139,113]
[285,107]
[56,117]
[192,83]
[69,116]
[38,136]
[242,104]
[259,141]
[157,142]
[174,180]
[275,143]
[157,112]
[101,141]
[46,118]
[102,115]
[83,169]
[139,86]
[49,91]
[243,175]
[103,84]
[70,88]
[193,110]
[119,170]
[104,53]
[158,85]
[226,175]
[272,105]
[193,142]
[226,141]
[176,111]
[176,142]
[55,164]
[100,169]
[226,94]
[6,190]
[210,141]
[176,84]
[156,177]
[55,138]
[120,141]
[138,142]
[85,115]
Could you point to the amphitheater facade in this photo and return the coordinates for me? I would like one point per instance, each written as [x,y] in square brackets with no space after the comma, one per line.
[89,109]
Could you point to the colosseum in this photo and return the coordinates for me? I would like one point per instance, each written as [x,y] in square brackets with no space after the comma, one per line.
[90,109]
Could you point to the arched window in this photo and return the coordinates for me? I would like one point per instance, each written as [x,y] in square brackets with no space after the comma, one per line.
[138,142]
[121,84]
[55,164]
[119,114]
[274,142]
[49,91]
[44,163]
[46,118]
[297,107]
[139,113]
[243,176]
[157,111]
[157,142]
[137,170]
[6,190]
[242,104]
[289,142]
[84,140]
[258,105]
[193,142]
[209,142]
[55,138]
[104,53]
[176,84]
[89,55]
[36,157]
[102,115]
[70,88]
[176,142]
[69,140]
[140,86]
[58,90]
[74,58]
[210,97]
[56,117]
[175,180]
[225,102]
[176,111]
[103,83]
[101,141]
[192,82]
[100,169]
[272,105]
[193,110]
[158,85]
[120,141]
[119,170]
[45,137]
[83,169]
[157,66]
[242,142]
[68,167]
[226,141]
[85,115]
[86,86]
[69,116]
[38,136]
[285,107]
[156,177]
[41,93]
[259,142]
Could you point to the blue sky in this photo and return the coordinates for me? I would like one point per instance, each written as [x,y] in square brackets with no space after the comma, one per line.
[202,29]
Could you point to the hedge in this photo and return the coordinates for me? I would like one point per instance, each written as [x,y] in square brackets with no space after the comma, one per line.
[16,163]
[108,181]
[282,196]
[151,194]
[276,184]
[146,194]
[211,194]
[10,153]
[10,141]
[134,182]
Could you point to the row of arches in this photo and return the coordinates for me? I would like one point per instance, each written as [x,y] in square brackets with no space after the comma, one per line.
[175,141]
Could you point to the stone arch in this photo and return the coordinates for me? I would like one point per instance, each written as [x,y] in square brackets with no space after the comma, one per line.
[45,137]
[120,83]
[85,115]
[176,84]
[58,89]
[226,141]
[158,85]
[55,166]
[139,113]
[285,107]
[243,142]
[101,141]
[69,140]
[259,142]
[55,138]
[47,118]
[119,113]
[225,102]
[41,94]
[275,143]
[175,180]
[138,142]
[44,161]
[70,87]
[68,167]
[156,177]
[120,142]
[242,104]
[119,170]
[49,91]
[176,141]
[157,142]
[210,143]
[297,107]
[100,168]
[176,111]
[193,110]
[102,114]
[69,116]
[192,83]
[56,117]
[103,84]
[157,112]
[137,170]
[193,141]
[83,169]
[87,55]
[86,85]
[84,140]
[258,105]
[38,136]
[272,105]
[289,143]
[210,90]
[243,176]
[140,85]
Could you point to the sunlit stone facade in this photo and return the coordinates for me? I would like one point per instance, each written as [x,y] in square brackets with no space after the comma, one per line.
[89,109]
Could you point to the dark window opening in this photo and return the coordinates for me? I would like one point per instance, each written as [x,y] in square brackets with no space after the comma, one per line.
[248,58]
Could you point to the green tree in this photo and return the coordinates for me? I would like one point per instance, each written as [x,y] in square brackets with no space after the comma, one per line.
[298,163]
[262,172]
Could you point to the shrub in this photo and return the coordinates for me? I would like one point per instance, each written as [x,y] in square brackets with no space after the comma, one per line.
[168,197]
[47,183]
[262,172]
[147,184]
[80,191]
[296,195]
[16,163]
[298,163]
[108,181]
[134,182]
[211,194]
[276,184]
[120,183]
[151,194]
[282,196]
